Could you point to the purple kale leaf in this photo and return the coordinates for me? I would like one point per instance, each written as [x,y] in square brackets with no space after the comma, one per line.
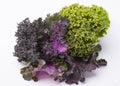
[29,36]
[56,45]
[78,67]
[55,42]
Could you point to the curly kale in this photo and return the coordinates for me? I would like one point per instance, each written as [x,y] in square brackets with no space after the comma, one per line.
[29,44]
[87,25]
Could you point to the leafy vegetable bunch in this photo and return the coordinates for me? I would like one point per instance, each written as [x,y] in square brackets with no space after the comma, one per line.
[64,46]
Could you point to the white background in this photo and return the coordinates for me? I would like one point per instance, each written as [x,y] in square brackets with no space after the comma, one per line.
[14,11]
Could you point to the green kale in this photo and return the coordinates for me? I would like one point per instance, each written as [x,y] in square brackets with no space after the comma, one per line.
[87,25]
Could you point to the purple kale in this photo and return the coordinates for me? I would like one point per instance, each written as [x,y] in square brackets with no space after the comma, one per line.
[30,72]
[42,45]
[78,67]
[59,47]
[47,71]
[55,44]
[28,40]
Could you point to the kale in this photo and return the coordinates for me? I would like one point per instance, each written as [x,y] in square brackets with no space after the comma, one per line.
[64,45]
[78,67]
[29,44]
[87,25]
